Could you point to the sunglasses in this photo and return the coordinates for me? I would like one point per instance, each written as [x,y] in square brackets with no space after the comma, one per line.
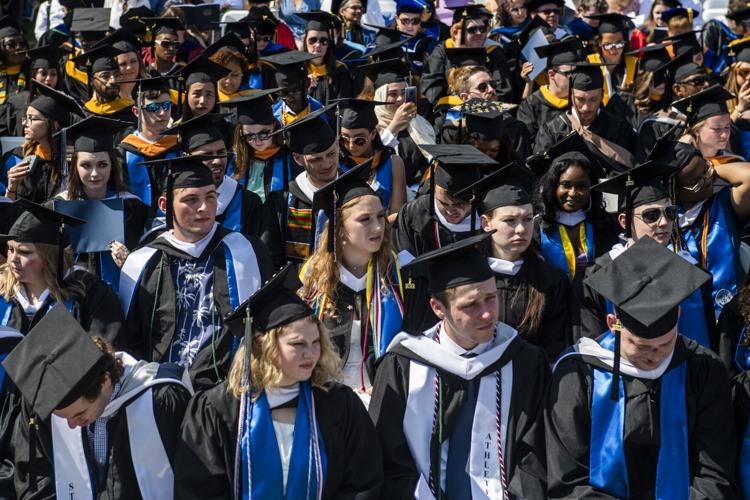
[476,30]
[357,141]
[409,20]
[263,135]
[482,87]
[265,38]
[652,215]
[549,12]
[166,44]
[695,82]
[314,39]
[705,179]
[614,46]
[154,107]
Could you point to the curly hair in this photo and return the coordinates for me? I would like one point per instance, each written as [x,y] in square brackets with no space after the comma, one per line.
[458,78]
[109,364]
[264,366]
[9,285]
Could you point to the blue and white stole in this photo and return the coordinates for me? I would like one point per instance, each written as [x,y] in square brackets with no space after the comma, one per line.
[716,62]
[258,468]
[139,181]
[608,468]
[714,242]
[6,307]
[230,204]
[558,250]
[382,182]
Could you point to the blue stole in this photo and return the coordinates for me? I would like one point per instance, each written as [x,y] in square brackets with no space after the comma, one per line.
[261,472]
[608,468]
[744,139]
[277,176]
[383,182]
[255,80]
[721,238]
[233,213]
[716,62]
[312,105]
[109,271]
[392,314]
[138,178]
[552,247]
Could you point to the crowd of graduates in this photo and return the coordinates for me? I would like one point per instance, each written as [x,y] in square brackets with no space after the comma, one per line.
[298,255]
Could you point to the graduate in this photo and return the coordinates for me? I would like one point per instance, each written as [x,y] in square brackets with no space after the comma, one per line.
[197,93]
[458,409]
[10,407]
[165,44]
[290,74]
[237,209]
[533,296]
[278,426]
[12,75]
[618,68]
[88,27]
[641,410]
[352,280]
[94,423]
[176,290]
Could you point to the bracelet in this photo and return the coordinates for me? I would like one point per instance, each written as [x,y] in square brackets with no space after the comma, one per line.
[9,191]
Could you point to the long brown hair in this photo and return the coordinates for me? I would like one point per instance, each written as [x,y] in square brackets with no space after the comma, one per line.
[115,181]
[732,86]
[244,154]
[29,148]
[9,285]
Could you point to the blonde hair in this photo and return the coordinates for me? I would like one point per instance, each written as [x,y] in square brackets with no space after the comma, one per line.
[322,279]
[732,86]
[458,78]
[264,367]
[9,285]
[679,25]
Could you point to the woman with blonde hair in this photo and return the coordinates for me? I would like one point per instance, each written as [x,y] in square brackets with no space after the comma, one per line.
[353,279]
[279,427]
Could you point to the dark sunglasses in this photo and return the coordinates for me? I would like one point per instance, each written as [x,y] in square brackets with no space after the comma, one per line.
[154,107]
[165,44]
[549,12]
[482,87]
[695,82]
[652,215]
[410,20]
[314,39]
[357,141]
[476,30]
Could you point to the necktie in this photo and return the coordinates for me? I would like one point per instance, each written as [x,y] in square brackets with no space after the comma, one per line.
[457,483]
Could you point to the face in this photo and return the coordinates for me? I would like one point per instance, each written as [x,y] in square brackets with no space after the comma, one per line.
[194,211]
[35,125]
[518,12]
[262,41]
[82,412]
[165,46]
[656,12]
[94,170]
[514,227]
[695,181]
[295,97]
[491,148]
[573,189]
[129,65]
[218,166]
[231,83]
[471,313]
[587,104]
[741,72]
[654,220]
[714,134]
[692,85]
[613,47]
[47,76]
[317,42]
[155,113]
[586,15]
[25,263]
[408,23]
[645,354]
[364,225]
[550,14]
[12,48]
[258,137]
[357,141]
[558,78]
[453,209]
[476,33]
[201,98]
[321,168]
[481,85]
[106,86]
[299,351]
[395,95]
[352,12]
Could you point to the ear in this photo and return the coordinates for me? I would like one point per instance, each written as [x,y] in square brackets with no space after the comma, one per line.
[611,321]
[464,96]
[437,307]
[621,219]
[298,159]
[135,110]
[162,202]
[373,133]
[485,222]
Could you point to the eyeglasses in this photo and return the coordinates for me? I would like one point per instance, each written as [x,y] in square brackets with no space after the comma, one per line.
[107,76]
[549,12]
[154,107]
[263,135]
[31,119]
[314,39]
[357,141]
[652,215]
[482,87]
[409,20]
[476,30]
[265,38]
[580,186]
[14,44]
[614,46]
[166,44]
[705,179]
[697,81]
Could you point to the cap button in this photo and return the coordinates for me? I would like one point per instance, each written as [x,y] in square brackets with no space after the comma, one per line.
[645,280]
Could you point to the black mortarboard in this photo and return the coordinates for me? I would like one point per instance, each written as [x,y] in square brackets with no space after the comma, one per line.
[572,146]
[567,51]
[467,56]
[290,67]
[254,109]
[319,20]
[459,263]
[230,40]
[740,14]
[357,113]
[45,57]
[310,134]
[239,28]
[686,42]
[612,22]
[673,153]
[385,35]
[100,58]
[197,131]
[396,71]
[486,124]
[200,70]
[55,105]
[505,187]
[533,5]
[740,50]
[532,24]
[704,104]
[468,11]
[638,186]
[586,76]
[646,284]
[336,193]
[132,20]
[91,23]
[160,82]
[682,66]
[261,20]
[122,41]
[93,134]
[9,27]
[411,6]
[53,364]
[161,25]
[388,50]
[689,13]
[652,56]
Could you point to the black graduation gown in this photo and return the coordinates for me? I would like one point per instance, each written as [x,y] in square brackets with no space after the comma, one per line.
[524,458]
[10,407]
[151,319]
[434,83]
[42,183]
[12,113]
[554,334]
[605,125]
[205,459]
[338,85]
[535,111]
[252,212]
[415,163]
[730,326]
[652,126]
[170,401]
[710,422]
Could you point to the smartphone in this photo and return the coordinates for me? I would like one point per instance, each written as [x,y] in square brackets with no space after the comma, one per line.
[33,163]
[410,94]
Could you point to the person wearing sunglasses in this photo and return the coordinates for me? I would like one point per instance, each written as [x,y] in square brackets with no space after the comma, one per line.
[738,79]
[12,47]
[409,17]
[469,31]
[289,72]
[549,12]
[350,12]
[611,44]
[266,30]
[165,45]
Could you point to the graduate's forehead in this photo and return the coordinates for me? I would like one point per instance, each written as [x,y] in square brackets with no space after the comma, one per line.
[472,292]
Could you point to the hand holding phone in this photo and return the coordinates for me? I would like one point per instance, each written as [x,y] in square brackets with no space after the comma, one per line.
[410,94]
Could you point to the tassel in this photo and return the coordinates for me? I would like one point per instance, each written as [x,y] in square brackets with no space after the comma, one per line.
[248,335]
[629,183]
[432,188]
[615,389]
[60,254]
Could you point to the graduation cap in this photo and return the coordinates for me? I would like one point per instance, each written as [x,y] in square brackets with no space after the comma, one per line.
[674,153]
[230,40]
[318,20]
[199,70]
[393,71]
[254,109]
[586,76]
[460,263]
[570,147]
[486,124]
[686,42]
[689,13]
[469,10]
[532,25]
[45,57]
[612,22]
[9,27]
[412,7]
[357,113]
[384,50]
[533,5]
[99,58]
[164,25]
[198,131]
[638,186]
[291,67]
[122,41]
[261,20]
[567,51]
[740,50]
[467,56]
[93,134]
[54,104]
[310,134]
[132,20]
[652,56]
[682,67]
[646,284]
[336,193]
[704,104]
[90,23]
[239,28]
[741,14]
[385,35]
[508,186]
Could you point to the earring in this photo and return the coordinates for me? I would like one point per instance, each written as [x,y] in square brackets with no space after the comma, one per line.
[589,207]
